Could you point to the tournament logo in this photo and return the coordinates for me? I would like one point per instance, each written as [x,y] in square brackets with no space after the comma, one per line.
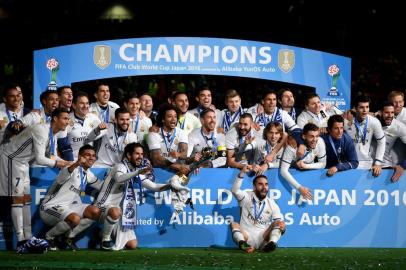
[102,56]
[53,67]
[334,72]
[286,60]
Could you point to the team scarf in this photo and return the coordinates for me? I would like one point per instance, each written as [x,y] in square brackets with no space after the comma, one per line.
[228,120]
[263,119]
[129,217]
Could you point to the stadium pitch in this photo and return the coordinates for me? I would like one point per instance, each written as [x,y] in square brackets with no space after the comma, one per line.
[210,258]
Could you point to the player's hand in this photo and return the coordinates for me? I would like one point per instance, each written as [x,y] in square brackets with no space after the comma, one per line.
[82,161]
[142,114]
[260,109]
[332,171]
[256,126]
[249,139]
[3,123]
[269,158]
[262,169]
[145,170]
[62,164]
[376,170]
[174,154]
[398,172]
[102,126]
[305,192]
[17,125]
[323,130]
[213,107]
[220,130]
[37,111]
[184,169]
[301,165]
[256,168]
[244,170]
[197,157]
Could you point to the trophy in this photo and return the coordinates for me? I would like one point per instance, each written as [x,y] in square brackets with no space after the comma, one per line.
[179,191]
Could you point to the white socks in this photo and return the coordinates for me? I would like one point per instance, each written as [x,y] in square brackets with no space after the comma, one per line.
[27,220]
[83,225]
[60,228]
[109,224]
[17,218]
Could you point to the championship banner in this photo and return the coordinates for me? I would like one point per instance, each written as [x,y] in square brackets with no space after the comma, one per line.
[350,209]
[329,74]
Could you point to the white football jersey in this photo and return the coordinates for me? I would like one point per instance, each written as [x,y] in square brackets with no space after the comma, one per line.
[278,115]
[196,112]
[166,142]
[107,115]
[255,214]
[34,118]
[265,148]
[244,153]
[111,146]
[6,117]
[289,159]
[78,130]
[362,136]
[227,120]
[198,140]
[319,120]
[140,126]
[402,116]
[396,130]
[67,187]
[188,122]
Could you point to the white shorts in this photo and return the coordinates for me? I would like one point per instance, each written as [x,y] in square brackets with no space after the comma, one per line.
[255,237]
[53,214]
[122,236]
[14,177]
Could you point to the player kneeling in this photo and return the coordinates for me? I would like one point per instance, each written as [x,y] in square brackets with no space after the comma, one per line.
[257,210]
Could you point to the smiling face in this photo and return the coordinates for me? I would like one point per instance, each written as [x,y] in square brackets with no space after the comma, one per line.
[65,98]
[170,121]
[102,95]
[123,121]
[362,110]
[388,113]
[261,187]
[269,103]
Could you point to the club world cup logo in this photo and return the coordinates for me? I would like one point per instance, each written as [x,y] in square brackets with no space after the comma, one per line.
[102,56]
[286,60]
[53,67]
[334,72]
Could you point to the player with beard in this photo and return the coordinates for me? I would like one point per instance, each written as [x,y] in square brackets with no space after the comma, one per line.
[117,198]
[261,224]
[114,137]
[204,100]
[393,129]
[187,121]
[103,107]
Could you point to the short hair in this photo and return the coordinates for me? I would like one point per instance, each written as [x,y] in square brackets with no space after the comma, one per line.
[269,92]
[131,95]
[395,93]
[86,147]
[119,111]
[282,91]
[310,127]
[203,88]
[247,115]
[44,95]
[176,94]
[130,148]
[58,111]
[78,95]
[255,180]
[270,125]
[310,96]
[100,84]
[336,118]
[361,99]
[162,112]
[387,104]
[9,87]
[206,111]
[232,93]
[60,89]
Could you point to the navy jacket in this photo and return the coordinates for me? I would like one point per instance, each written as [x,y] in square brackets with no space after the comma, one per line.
[348,155]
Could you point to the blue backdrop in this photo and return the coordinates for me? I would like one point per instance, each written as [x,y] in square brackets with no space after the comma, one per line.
[351,209]
[329,74]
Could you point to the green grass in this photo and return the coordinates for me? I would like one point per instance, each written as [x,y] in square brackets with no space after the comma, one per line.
[210,258]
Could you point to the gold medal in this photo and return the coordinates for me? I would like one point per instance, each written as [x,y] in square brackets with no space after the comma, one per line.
[176,141]
[243,157]
[82,193]
[52,157]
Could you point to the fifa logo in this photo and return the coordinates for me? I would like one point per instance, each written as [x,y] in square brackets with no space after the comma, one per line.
[102,56]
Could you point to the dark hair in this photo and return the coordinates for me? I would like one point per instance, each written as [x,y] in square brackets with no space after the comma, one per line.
[361,99]
[58,111]
[78,95]
[336,118]
[203,88]
[86,147]
[130,148]
[60,89]
[44,95]
[282,91]
[176,94]
[247,115]
[255,180]
[232,93]
[269,92]
[9,87]
[205,111]
[310,127]
[162,112]
[309,96]
[386,104]
[119,111]
[130,95]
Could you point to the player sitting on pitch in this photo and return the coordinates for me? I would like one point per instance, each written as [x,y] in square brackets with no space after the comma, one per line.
[261,224]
